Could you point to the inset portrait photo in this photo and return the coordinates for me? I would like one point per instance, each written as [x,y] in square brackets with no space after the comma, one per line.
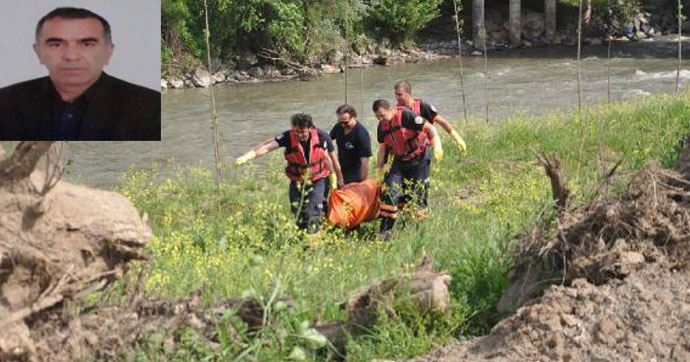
[80,70]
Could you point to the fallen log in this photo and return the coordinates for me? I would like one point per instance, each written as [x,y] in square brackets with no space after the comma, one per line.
[424,289]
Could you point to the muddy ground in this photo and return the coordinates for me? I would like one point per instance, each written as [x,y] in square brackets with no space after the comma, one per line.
[643,317]
[609,282]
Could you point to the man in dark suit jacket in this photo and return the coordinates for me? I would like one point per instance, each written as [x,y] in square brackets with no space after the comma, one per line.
[77,101]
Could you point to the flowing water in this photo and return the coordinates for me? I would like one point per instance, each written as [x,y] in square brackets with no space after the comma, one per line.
[530,81]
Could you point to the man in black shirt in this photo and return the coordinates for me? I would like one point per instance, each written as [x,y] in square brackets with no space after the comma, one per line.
[77,101]
[354,145]
[311,158]
[404,135]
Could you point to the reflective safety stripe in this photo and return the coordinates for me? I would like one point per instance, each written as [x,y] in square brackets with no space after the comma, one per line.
[387,214]
[388,211]
[417,109]
[389,208]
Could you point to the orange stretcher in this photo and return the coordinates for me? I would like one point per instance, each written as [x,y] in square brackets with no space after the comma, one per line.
[354,204]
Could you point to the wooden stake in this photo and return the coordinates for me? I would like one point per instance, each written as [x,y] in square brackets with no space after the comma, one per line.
[462,80]
[680,33]
[214,118]
[347,44]
[559,188]
[579,68]
[486,74]
[608,70]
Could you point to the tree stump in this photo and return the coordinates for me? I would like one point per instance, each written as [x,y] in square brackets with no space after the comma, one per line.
[559,188]
[58,243]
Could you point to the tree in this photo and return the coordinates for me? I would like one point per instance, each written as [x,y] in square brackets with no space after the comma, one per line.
[399,19]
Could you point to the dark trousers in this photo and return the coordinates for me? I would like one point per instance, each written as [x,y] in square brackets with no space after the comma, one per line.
[404,178]
[326,194]
[423,197]
[306,203]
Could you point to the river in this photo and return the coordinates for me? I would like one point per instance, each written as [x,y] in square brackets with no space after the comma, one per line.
[532,81]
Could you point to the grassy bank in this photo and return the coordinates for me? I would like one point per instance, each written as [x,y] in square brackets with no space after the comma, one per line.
[242,240]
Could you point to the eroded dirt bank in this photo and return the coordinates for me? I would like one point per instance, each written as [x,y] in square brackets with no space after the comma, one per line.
[619,276]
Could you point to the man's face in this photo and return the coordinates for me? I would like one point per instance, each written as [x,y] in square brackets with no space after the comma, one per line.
[302,133]
[384,114]
[345,119]
[73,50]
[402,96]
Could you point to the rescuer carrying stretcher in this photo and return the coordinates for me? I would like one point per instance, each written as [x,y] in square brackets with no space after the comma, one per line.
[311,161]
[407,137]
[405,133]
[403,94]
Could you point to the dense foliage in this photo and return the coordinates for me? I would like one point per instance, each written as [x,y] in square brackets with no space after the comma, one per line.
[398,20]
[314,31]
[299,30]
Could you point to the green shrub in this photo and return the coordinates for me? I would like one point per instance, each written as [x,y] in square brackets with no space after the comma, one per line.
[166,57]
[620,17]
[403,332]
[399,19]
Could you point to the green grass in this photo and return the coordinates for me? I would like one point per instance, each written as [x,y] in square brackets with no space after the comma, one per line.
[242,239]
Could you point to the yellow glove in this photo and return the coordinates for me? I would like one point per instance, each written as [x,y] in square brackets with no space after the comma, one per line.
[334,180]
[244,158]
[438,148]
[459,141]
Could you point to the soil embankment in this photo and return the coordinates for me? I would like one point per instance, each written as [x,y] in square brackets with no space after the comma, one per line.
[622,269]
[61,243]
[640,318]
[58,242]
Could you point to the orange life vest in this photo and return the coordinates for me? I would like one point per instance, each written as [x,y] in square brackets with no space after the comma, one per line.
[417,109]
[297,165]
[403,142]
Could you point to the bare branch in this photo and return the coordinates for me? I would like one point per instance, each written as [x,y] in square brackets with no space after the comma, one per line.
[55,167]
[612,171]
[560,189]
[271,54]
[23,161]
